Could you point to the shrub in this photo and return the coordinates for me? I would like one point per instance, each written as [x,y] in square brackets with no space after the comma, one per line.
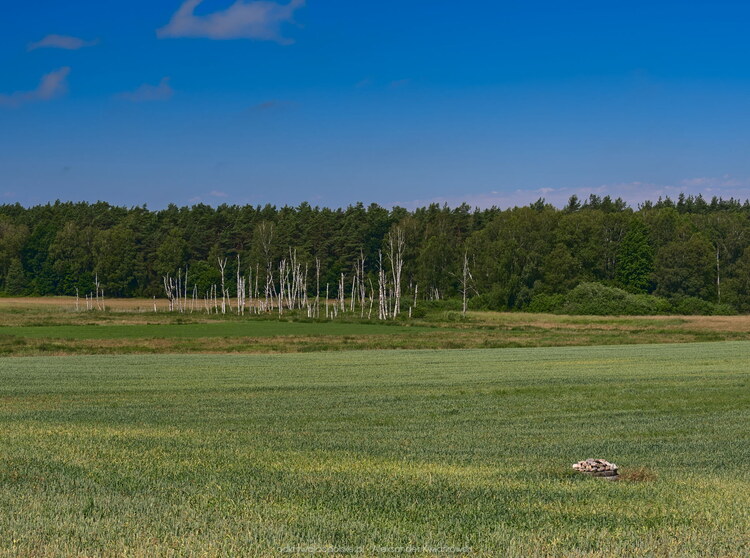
[658,304]
[496,299]
[419,312]
[598,299]
[438,305]
[691,305]
[546,303]
[453,316]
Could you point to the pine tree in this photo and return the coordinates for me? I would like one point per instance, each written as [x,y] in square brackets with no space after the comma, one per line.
[15,280]
[635,259]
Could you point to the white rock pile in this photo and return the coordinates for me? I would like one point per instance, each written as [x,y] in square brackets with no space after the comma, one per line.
[597,468]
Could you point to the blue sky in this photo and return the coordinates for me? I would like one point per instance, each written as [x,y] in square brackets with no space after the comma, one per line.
[403,102]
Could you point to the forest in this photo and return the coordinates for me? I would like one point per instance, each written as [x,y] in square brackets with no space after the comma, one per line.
[597,255]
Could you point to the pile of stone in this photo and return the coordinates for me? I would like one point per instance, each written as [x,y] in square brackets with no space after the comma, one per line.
[597,468]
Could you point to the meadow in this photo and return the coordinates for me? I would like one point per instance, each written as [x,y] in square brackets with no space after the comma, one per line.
[429,452]
[51,326]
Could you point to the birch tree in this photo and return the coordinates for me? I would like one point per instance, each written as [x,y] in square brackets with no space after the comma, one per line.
[466,280]
[396,242]
[222,267]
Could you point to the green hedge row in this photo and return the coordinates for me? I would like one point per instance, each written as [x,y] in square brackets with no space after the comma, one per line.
[601,300]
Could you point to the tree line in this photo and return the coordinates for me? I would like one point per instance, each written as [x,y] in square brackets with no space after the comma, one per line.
[690,252]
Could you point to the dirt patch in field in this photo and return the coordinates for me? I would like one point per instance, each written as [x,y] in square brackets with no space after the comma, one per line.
[69,303]
[739,324]
[640,474]
[718,323]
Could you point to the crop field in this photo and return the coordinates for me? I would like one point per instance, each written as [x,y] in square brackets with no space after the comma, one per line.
[426,452]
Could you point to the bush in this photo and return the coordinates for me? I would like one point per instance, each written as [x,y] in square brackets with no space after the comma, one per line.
[480,302]
[440,305]
[656,303]
[496,299]
[546,303]
[691,305]
[601,300]
[419,312]
[453,316]
[591,299]
[724,310]
[598,299]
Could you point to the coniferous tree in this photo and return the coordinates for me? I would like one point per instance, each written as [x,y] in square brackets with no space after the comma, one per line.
[635,259]
[15,279]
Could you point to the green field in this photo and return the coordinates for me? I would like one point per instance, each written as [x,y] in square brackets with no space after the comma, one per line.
[41,327]
[245,328]
[157,455]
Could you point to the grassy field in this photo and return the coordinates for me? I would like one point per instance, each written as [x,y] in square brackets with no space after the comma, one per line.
[229,455]
[51,326]
[245,328]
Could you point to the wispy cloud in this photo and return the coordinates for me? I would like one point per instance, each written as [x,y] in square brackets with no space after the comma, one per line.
[633,193]
[53,84]
[725,181]
[212,194]
[62,41]
[147,92]
[260,20]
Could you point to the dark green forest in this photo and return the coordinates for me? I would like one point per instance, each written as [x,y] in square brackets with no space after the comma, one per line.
[598,255]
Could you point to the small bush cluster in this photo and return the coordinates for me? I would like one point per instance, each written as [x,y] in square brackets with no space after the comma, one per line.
[601,300]
[692,305]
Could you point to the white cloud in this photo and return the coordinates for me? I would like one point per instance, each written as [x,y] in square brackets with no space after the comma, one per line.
[632,193]
[62,41]
[53,84]
[206,197]
[259,20]
[725,181]
[147,92]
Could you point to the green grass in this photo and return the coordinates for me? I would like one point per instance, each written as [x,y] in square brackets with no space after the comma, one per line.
[41,330]
[248,328]
[247,454]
